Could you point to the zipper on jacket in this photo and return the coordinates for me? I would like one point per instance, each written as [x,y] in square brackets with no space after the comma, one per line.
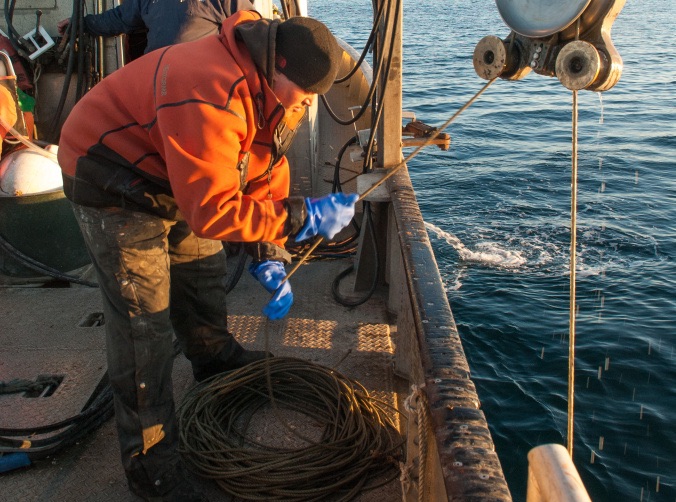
[260,103]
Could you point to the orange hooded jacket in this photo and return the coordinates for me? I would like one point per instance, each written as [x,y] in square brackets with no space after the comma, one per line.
[190,131]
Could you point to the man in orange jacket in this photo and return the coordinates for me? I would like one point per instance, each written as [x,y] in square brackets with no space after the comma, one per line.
[162,159]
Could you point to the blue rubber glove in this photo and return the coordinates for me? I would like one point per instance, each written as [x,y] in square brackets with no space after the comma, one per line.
[328,215]
[271,274]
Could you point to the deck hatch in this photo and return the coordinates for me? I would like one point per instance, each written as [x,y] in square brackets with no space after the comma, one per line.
[45,386]
[92,320]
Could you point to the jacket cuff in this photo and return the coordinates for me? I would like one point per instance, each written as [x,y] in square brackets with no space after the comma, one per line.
[261,251]
[295,208]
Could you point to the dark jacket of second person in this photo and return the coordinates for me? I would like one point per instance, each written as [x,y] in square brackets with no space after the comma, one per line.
[167,21]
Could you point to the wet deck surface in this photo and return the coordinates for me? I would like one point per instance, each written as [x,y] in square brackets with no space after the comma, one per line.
[54,331]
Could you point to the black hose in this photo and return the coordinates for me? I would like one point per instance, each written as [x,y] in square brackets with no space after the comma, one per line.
[379,111]
[41,267]
[97,410]
[335,286]
[372,89]
[367,46]
[335,187]
[12,34]
[54,126]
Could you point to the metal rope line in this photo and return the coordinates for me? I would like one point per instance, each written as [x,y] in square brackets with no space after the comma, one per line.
[357,439]
[573,276]
[394,170]
[573,259]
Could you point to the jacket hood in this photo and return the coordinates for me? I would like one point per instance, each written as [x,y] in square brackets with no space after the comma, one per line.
[260,39]
[251,42]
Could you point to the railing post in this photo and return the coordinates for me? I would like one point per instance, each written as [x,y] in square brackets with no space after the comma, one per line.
[552,476]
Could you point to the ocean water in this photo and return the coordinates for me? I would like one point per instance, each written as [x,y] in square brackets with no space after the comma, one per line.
[497,208]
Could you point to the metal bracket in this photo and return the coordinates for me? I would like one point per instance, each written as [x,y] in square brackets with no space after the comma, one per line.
[417,133]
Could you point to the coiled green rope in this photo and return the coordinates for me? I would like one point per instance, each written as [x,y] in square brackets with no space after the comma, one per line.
[359,449]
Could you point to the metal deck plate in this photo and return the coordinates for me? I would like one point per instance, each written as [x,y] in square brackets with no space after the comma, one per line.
[40,334]
[37,321]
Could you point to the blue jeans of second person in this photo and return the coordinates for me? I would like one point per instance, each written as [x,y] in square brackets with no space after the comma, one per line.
[157,279]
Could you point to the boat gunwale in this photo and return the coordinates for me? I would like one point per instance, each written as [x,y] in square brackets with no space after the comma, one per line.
[465,450]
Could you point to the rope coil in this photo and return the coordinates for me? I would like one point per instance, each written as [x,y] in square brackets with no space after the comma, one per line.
[359,449]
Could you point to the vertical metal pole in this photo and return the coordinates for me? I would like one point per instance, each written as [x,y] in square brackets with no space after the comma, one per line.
[99,40]
[119,44]
[389,128]
[388,142]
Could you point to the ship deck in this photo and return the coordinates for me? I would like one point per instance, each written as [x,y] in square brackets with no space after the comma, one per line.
[54,331]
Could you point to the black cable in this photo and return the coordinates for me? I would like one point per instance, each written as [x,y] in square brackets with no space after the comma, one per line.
[361,111]
[371,92]
[380,108]
[54,126]
[335,187]
[41,267]
[97,410]
[13,35]
[367,46]
[335,286]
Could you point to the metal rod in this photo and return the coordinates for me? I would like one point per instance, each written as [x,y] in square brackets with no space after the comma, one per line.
[428,142]
[392,171]
[100,45]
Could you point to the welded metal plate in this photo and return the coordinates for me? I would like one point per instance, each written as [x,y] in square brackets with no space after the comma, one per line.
[540,18]
[41,334]
[358,342]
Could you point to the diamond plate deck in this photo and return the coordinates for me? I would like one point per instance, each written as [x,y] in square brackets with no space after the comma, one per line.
[40,333]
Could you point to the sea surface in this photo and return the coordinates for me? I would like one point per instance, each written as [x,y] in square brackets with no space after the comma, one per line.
[497,208]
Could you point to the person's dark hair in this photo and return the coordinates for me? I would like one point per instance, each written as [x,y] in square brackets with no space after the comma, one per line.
[308,54]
